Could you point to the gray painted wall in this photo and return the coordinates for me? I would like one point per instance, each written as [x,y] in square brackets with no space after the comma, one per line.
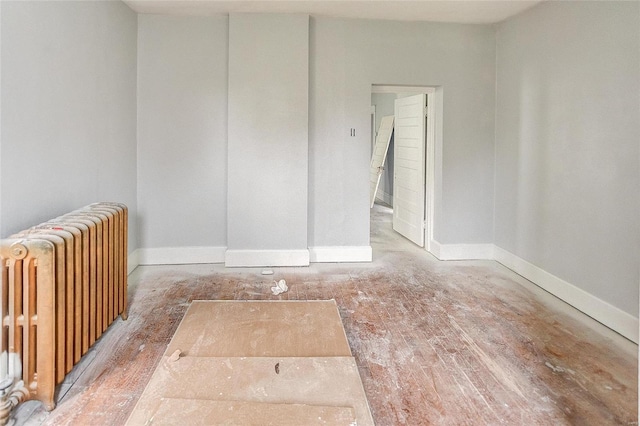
[268,132]
[182,130]
[347,57]
[68,116]
[567,152]
[1,232]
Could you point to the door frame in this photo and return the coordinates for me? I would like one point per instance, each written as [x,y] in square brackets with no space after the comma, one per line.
[374,131]
[432,138]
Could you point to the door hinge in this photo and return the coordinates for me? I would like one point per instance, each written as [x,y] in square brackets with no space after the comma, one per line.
[426,111]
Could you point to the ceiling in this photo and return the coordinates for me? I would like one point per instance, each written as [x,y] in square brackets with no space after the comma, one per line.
[466,11]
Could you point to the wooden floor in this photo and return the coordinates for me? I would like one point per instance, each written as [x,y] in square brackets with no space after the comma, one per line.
[451,343]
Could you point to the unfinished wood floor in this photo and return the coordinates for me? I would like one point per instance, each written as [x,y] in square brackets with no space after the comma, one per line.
[448,343]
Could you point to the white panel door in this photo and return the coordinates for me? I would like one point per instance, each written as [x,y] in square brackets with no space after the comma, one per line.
[379,155]
[409,168]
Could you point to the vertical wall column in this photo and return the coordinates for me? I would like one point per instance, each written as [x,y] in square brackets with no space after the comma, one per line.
[268,140]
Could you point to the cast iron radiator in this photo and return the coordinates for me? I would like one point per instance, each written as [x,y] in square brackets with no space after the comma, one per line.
[63,283]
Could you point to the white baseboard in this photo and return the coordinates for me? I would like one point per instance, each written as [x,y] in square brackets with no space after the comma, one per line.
[462,251]
[603,312]
[180,255]
[188,255]
[341,254]
[598,309]
[256,258]
[133,261]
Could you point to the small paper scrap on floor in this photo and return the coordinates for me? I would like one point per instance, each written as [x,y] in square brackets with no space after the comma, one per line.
[175,356]
[279,288]
[267,272]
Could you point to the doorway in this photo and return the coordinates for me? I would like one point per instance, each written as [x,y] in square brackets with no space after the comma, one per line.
[407,180]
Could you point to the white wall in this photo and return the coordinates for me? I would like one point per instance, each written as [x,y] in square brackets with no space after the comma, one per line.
[347,57]
[268,136]
[182,131]
[68,116]
[181,189]
[567,151]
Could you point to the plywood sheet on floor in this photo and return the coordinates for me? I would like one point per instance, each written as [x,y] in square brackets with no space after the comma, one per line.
[261,328]
[275,361]
[324,381]
[197,412]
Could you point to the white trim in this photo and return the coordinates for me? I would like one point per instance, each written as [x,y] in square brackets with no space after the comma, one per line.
[462,251]
[430,170]
[603,312]
[180,255]
[616,319]
[435,192]
[433,138]
[254,258]
[133,261]
[341,254]
[373,128]
[398,88]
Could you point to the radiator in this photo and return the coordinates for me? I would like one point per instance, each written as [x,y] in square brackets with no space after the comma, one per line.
[63,283]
